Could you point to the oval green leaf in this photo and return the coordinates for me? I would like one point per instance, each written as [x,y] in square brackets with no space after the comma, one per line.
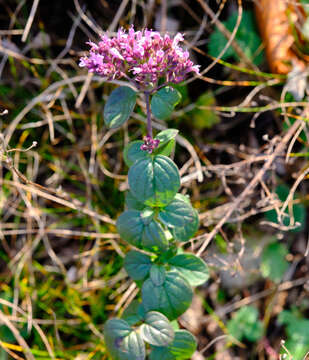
[157,329]
[132,152]
[137,265]
[185,233]
[182,348]
[141,231]
[178,213]
[167,142]
[133,347]
[119,106]
[130,227]
[166,135]
[164,101]
[191,267]
[122,342]
[172,298]
[154,181]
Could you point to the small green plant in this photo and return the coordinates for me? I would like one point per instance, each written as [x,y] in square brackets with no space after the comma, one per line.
[245,325]
[273,262]
[296,327]
[157,217]
[247,38]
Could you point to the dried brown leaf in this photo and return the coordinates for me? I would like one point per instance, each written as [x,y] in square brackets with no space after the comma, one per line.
[273,18]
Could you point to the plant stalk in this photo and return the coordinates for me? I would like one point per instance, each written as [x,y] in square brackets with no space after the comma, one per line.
[149,125]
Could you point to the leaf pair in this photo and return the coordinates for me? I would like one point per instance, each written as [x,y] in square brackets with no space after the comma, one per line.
[126,343]
[179,217]
[132,152]
[141,229]
[122,100]
[168,286]
[138,266]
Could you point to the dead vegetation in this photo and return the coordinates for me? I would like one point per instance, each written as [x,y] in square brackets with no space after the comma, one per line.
[62,174]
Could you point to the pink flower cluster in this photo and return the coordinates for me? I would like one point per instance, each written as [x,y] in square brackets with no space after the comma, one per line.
[149,144]
[144,56]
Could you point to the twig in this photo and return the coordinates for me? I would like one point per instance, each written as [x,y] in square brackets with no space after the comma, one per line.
[90,23]
[30,20]
[253,298]
[227,34]
[253,183]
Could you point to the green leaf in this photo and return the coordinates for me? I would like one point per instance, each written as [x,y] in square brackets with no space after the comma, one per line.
[132,152]
[191,267]
[247,38]
[187,232]
[134,347]
[130,227]
[164,101]
[132,203]
[157,274]
[132,314]
[167,142]
[154,182]
[157,330]
[166,136]
[122,342]
[119,106]
[137,265]
[273,263]
[299,210]
[182,348]
[178,213]
[172,298]
[140,230]
[297,331]
[166,149]
[245,324]
[117,328]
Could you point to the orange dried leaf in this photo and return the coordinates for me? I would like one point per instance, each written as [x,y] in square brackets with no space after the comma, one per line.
[273,18]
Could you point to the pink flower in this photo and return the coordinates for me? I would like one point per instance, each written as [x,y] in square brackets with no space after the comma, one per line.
[149,144]
[144,56]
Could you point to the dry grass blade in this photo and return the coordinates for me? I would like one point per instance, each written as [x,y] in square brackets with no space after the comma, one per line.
[30,20]
[19,338]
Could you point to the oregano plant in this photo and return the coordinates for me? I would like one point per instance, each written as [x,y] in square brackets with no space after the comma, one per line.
[157,217]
